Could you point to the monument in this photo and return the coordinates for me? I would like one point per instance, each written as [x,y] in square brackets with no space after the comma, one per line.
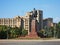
[33,32]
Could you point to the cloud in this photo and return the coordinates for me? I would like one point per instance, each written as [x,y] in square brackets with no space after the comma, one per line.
[56,19]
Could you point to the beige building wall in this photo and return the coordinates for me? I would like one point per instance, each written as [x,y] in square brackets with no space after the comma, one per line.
[12,22]
[26,20]
[17,21]
[4,21]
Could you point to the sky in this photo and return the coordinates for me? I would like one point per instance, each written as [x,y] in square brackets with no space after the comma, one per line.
[12,8]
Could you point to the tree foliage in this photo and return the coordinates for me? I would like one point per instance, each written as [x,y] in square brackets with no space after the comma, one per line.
[24,32]
[58,30]
[3,34]
[9,32]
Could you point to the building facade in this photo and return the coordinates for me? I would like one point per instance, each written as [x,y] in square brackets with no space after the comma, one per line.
[48,22]
[12,22]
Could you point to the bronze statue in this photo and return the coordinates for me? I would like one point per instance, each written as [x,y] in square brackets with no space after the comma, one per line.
[34,12]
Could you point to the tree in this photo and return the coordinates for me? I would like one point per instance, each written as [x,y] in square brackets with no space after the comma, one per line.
[3,33]
[18,31]
[42,33]
[58,30]
[52,29]
[49,31]
[12,33]
[9,32]
[24,32]
[15,32]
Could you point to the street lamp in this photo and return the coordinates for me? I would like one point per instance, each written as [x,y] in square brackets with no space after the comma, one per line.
[55,31]
[7,32]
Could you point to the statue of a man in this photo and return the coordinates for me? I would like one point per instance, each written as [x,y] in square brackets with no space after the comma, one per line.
[35,12]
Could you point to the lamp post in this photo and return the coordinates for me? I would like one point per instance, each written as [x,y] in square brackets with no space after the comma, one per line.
[55,31]
[7,32]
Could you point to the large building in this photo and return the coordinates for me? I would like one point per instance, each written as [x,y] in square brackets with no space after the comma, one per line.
[12,22]
[25,21]
[48,22]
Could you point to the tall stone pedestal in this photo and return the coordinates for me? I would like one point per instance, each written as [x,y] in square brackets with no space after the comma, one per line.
[33,33]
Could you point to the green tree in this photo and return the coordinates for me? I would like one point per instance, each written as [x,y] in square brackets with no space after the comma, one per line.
[49,31]
[42,33]
[18,31]
[12,33]
[24,32]
[3,33]
[9,32]
[52,31]
[58,30]
[15,32]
